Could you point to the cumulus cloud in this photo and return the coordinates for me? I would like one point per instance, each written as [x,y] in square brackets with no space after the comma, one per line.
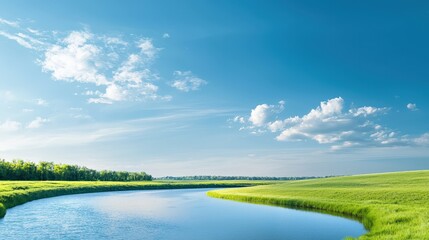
[329,123]
[131,80]
[112,68]
[9,126]
[37,123]
[74,59]
[259,115]
[412,107]
[186,81]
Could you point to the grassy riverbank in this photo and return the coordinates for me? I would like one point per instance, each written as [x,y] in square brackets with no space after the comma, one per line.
[13,193]
[391,205]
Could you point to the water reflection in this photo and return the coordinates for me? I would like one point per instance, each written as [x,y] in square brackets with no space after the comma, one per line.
[166,214]
[138,204]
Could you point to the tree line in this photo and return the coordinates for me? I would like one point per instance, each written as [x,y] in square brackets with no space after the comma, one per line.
[25,170]
[236,178]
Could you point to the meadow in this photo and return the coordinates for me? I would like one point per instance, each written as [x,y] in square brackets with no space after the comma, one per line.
[390,205]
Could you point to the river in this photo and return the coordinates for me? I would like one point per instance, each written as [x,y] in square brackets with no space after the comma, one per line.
[167,215]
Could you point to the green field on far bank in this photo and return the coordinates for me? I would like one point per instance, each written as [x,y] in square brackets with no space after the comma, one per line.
[390,205]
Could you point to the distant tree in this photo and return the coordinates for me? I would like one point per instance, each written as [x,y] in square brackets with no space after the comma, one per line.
[236,178]
[23,170]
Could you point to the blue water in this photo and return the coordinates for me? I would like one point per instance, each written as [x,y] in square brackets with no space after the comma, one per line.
[166,214]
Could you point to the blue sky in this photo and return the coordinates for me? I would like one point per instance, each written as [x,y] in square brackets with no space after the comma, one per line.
[283,88]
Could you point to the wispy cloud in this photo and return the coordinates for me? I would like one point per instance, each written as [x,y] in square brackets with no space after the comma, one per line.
[41,102]
[10,126]
[328,124]
[7,96]
[20,40]
[147,48]
[165,35]
[27,110]
[37,123]
[20,139]
[10,23]
[186,81]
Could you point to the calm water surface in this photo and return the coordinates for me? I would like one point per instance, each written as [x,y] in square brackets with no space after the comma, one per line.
[166,214]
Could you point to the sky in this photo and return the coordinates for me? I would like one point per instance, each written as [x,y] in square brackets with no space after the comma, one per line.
[195,87]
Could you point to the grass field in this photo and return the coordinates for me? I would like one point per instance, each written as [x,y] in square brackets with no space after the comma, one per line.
[391,205]
[13,193]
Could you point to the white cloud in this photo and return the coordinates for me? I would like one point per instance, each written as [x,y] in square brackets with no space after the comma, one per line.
[279,125]
[91,93]
[412,107]
[78,58]
[10,23]
[147,48]
[128,73]
[165,35]
[7,96]
[27,110]
[100,100]
[37,123]
[119,70]
[114,40]
[75,60]
[329,124]
[20,40]
[34,31]
[10,126]
[258,116]
[131,80]
[239,119]
[423,140]
[185,81]
[81,116]
[114,93]
[41,102]
[366,111]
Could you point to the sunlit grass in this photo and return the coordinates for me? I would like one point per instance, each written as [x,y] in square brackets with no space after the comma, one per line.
[391,205]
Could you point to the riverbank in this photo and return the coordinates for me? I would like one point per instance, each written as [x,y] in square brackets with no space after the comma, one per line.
[390,205]
[13,193]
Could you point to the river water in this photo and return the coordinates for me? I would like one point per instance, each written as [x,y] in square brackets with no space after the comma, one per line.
[167,214]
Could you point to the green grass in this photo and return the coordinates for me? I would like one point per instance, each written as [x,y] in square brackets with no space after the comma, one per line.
[391,205]
[13,193]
